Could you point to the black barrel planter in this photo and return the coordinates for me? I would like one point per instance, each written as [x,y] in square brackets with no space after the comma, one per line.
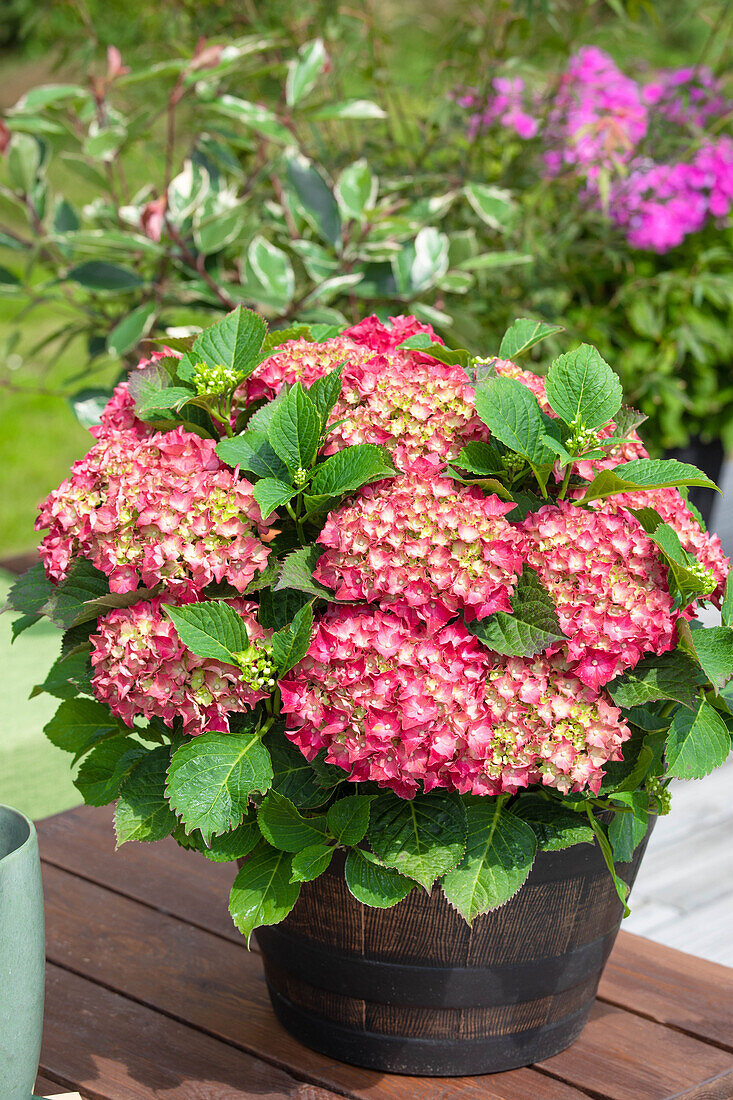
[414,990]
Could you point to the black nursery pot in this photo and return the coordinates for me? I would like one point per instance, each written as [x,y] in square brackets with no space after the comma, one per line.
[414,990]
[709,457]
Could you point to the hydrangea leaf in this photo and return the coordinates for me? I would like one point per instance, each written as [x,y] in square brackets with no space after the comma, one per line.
[211,629]
[271,494]
[500,851]
[106,767]
[143,812]
[297,573]
[532,626]
[311,862]
[627,830]
[279,607]
[69,675]
[290,644]
[83,584]
[236,844]
[294,430]
[293,776]
[697,743]
[554,826]
[726,609]
[511,413]
[422,838]
[251,451]
[627,420]
[234,342]
[348,819]
[713,647]
[324,392]
[146,387]
[523,335]
[582,389]
[373,884]
[645,473]
[212,776]
[29,595]
[79,724]
[668,676]
[263,892]
[687,578]
[283,825]
[452,357]
[347,470]
[481,458]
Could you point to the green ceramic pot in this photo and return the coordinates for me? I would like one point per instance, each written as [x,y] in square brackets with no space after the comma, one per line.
[21,955]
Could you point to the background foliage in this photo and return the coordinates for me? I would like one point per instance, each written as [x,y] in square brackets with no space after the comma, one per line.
[318,169]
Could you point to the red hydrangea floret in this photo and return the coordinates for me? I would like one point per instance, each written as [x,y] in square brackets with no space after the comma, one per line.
[409,707]
[302,361]
[158,510]
[609,584]
[141,668]
[444,548]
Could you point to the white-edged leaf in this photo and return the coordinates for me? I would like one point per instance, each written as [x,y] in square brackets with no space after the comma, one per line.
[304,71]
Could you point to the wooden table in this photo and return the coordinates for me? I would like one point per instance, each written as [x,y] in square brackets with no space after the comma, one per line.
[151,994]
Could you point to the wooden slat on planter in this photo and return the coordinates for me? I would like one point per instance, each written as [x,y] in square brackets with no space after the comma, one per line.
[218,987]
[45,1087]
[643,977]
[691,994]
[117,1050]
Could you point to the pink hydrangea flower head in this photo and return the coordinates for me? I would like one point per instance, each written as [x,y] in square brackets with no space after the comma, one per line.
[444,548]
[302,361]
[407,706]
[119,412]
[142,669]
[162,509]
[373,334]
[609,584]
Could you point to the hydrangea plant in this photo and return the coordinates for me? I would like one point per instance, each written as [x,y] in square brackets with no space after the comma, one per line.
[357,591]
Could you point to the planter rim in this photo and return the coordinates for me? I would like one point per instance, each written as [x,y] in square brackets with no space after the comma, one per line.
[9,812]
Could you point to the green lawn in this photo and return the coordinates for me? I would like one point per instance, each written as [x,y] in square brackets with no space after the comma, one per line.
[34,776]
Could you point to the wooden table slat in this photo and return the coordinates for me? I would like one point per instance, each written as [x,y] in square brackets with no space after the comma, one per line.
[117,1050]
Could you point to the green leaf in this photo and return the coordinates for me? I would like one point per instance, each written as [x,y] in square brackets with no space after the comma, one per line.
[347,470]
[348,819]
[645,473]
[422,838]
[627,830]
[147,387]
[273,269]
[686,580]
[260,119]
[511,413]
[233,845]
[726,609]
[278,608]
[212,776]
[143,812]
[85,583]
[532,626]
[373,884]
[500,851]
[601,834]
[211,629]
[315,196]
[79,724]
[582,388]
[697,743]
[523,335]
[37,99]
[215,227]
[294,431]
[452,357]
[290,644]
[99,275]
[554,826]
[7,278]
[488,261]
[311,862]
[252,452]
[262,892]
[24,161]
[493,205]
[106,767]
[128,332]
[69,675]
[668,676]
[234,342]
[304,71]
[297,573]
[283,825]
[714,651]
[271,494]
[88,404]
[359,110]
[324,392]
[293,776]
[29,594]
[357,189]
[483,459]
